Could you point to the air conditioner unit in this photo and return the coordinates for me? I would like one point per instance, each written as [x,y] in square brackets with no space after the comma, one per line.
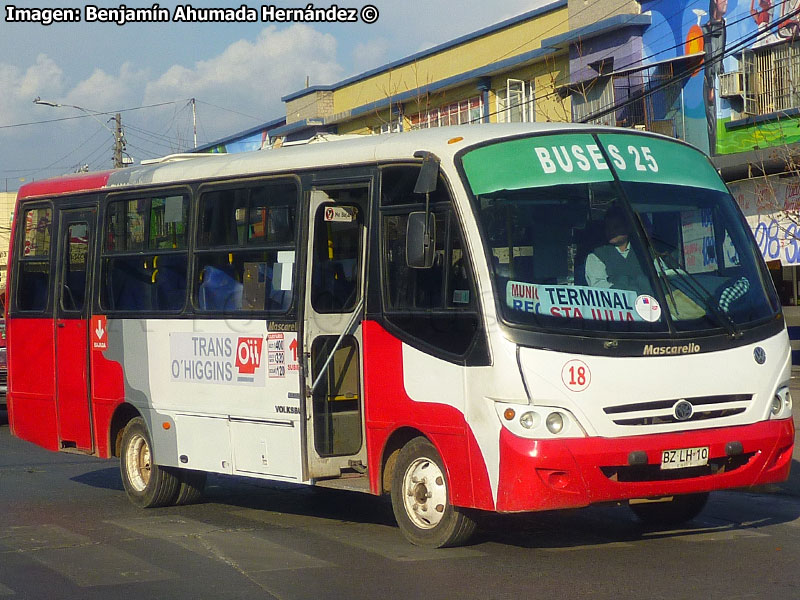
[731,84]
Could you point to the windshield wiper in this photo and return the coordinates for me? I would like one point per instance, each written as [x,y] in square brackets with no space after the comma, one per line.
[699,291]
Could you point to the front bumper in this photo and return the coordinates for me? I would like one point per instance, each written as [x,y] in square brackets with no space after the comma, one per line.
[553,474]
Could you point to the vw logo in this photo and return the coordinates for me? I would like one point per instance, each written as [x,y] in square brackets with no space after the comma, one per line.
[760,355]
[683,410]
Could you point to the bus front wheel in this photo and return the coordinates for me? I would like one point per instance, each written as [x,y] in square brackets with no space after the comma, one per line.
[147,484]
[421,499]
[670,512]
[191,486]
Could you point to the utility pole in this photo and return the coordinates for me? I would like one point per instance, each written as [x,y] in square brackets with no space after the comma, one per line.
[194,120]
[119,138]
[119,142]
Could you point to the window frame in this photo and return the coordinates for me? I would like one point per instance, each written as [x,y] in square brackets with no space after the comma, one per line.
[197,250]
[527,107]
[434,117]
[106,254]
[361,220]
[65,244]
[599,95]
[20,259]
[476,352]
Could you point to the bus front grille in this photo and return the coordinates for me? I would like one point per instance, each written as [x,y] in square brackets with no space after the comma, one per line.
[663,412]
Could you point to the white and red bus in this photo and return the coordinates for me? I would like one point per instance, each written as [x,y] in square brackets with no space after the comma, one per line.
[446,316]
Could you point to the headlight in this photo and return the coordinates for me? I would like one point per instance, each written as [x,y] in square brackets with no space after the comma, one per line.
[539,422]
[555,423]
[529,420]
[781,405]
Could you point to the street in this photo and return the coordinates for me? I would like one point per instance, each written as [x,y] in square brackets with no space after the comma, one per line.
[67,530]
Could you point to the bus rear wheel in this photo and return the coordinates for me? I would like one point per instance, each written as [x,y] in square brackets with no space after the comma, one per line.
[670,512]
[147,484]
[421,499]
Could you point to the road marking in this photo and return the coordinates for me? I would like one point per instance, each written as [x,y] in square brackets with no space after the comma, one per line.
[247,551]
[709,532]
[78,558]
[600,545]
[38,537]
[4,591]
[378,539]
[164,526]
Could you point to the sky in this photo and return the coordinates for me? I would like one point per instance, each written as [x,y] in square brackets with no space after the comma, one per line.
[236,72]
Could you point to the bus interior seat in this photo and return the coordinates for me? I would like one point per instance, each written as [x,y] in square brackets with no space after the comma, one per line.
[333,285]
[170,282]
[219,290]
[130,289]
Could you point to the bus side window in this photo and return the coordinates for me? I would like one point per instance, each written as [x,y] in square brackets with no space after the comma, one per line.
[436,305]
[34,266]
[245,251]
[145,254]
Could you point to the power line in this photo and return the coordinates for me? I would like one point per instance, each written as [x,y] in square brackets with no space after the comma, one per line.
[556,26]
[51,166]
[90,113]
[742,40]
[230,111]
[740,43]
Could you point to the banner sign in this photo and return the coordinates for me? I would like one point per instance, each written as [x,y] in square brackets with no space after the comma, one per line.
[582,302]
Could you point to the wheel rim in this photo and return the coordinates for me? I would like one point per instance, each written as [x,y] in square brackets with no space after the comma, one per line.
[137,463]
[424,493]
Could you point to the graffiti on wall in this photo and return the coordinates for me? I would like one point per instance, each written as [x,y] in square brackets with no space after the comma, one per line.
[771,205]
[720,31]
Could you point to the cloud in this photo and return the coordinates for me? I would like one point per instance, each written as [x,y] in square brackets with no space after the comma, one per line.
[370,54]
[20,87]
[250,77]
[107,90]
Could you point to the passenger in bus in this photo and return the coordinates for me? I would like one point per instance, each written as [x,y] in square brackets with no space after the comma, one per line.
[615,264]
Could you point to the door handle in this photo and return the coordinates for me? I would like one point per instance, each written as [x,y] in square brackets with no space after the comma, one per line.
[60,324]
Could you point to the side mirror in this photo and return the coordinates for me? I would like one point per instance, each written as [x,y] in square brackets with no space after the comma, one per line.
[428,174]
[420,240]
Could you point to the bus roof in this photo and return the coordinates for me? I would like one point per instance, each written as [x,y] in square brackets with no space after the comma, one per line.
[367,149]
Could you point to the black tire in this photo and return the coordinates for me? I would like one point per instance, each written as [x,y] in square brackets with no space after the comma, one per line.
[191,486]
[147,484]
[670,513]
[421,499]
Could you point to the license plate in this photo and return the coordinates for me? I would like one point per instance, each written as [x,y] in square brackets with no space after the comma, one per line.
[684,457]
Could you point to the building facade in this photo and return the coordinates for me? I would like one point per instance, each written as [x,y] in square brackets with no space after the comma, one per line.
[7,201]
[505,72]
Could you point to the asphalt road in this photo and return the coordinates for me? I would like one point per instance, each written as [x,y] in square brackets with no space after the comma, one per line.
[67,531]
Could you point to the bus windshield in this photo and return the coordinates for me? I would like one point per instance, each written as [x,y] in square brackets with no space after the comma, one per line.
[659,248]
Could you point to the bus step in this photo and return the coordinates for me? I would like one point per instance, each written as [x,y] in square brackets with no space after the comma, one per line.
[353,484]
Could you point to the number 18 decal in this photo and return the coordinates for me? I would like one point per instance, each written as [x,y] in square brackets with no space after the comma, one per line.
[576,375]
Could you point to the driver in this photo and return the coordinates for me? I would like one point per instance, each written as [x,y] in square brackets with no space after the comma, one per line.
[615,265]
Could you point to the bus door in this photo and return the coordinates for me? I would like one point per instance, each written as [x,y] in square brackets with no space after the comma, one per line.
[73,299]
[334,307]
